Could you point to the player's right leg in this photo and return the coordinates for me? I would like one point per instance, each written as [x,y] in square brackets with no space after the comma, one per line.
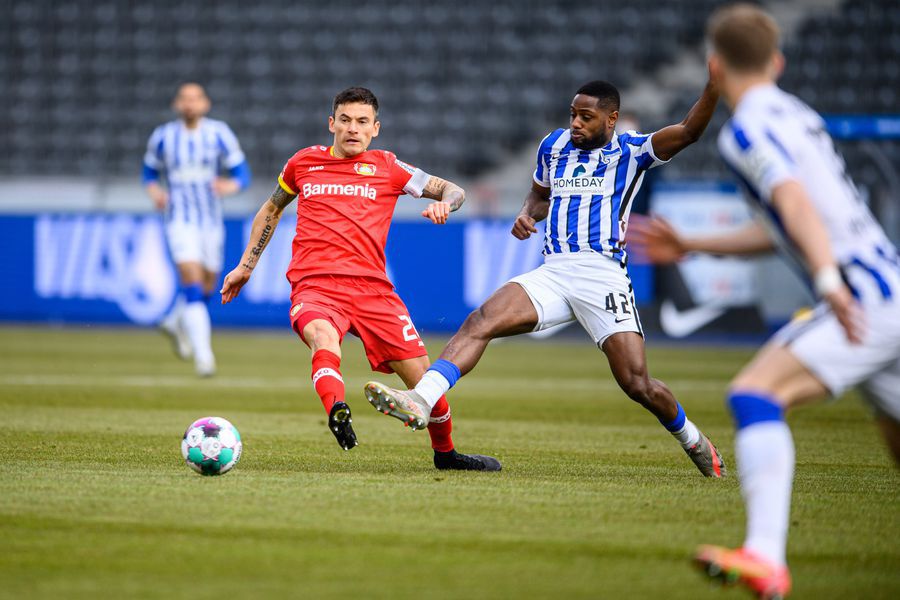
[187,246]
[320,324]
[325,343]
[881,392]
[509,311]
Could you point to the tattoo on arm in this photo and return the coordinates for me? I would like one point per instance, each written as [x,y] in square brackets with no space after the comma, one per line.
[445,191]
[281,198]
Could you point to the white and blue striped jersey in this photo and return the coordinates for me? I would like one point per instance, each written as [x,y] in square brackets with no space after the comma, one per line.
[773,137]
[191,160]
[591,191]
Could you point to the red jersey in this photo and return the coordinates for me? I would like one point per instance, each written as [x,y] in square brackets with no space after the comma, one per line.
[344,209]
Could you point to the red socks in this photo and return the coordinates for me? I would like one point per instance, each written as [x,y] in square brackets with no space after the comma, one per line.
[326,378]
[441,426]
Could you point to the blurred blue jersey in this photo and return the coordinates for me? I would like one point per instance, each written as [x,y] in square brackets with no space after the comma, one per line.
[191,159]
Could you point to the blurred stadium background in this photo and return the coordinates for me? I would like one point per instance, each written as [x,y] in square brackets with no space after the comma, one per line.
[467,90]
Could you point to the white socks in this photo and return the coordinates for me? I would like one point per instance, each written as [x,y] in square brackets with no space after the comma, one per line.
[431,387]
[765,460]
[687,436]
[195,319]
[172,320]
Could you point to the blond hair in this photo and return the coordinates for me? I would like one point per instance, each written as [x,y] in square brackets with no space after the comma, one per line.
[744,36]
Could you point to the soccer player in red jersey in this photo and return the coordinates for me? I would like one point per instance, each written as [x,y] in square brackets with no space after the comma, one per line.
[346,196]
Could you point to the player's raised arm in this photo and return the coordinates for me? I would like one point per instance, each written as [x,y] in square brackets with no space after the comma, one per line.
[263,229]
[669,141]
[534,209]
[449,196]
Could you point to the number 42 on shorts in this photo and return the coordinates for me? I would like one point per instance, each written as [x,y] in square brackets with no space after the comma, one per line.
[611,304]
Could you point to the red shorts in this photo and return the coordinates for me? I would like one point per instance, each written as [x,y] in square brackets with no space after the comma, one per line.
[367,308]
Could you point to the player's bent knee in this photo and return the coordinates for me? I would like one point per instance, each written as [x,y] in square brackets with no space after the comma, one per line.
[320,334]
[636,387]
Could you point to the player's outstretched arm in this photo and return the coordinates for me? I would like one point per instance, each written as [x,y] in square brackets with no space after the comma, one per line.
[450,197]
[654,240]
[535,208]
[263,229]
[669,141]
[805,228]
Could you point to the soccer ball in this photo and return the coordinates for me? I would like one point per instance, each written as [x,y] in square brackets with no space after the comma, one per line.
[211,446]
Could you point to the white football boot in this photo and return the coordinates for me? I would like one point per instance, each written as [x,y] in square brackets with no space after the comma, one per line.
[405,405]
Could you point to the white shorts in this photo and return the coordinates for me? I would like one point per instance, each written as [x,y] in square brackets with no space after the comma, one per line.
[818,341]
[591,288]
[190,243]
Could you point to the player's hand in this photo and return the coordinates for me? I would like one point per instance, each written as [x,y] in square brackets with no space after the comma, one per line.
[848,313]
[523,227]
[653,240]
[233,283]
[159,196]
[225,186]
[437,212]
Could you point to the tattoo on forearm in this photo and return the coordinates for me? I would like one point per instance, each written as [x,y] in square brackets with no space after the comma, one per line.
[434,188]
[443,190]
[455,197]
[281,198]
[257,250]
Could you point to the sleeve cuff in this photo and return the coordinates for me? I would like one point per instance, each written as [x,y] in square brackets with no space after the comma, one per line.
[234,159]
[652,152]
[416,184]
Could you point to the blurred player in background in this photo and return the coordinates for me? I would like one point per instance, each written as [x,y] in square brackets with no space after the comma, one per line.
[585,180]
[780,150]
[191,152]
[347,195]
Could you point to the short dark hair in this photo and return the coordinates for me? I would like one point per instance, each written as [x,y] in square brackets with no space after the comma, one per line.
[606,94]
[744,35]
[352,95]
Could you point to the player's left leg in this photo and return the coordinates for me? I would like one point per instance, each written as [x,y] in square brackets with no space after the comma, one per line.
[511,310]
[195,317]
[440,423]
[628,363]
[806,361]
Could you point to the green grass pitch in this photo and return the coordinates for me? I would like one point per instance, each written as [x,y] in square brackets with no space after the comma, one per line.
[595,499]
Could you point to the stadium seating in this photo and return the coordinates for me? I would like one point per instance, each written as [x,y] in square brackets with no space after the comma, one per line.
[462,84]
[841,63]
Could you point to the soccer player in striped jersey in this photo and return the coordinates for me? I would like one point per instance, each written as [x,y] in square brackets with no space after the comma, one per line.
[584,183]
[809,208]
[192,153]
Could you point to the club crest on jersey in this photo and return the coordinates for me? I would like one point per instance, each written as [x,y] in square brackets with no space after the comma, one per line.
[364,168]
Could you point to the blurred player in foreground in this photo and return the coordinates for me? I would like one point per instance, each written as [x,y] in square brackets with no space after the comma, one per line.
[347,195]
[780,150]
[585,180]
[190,152]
